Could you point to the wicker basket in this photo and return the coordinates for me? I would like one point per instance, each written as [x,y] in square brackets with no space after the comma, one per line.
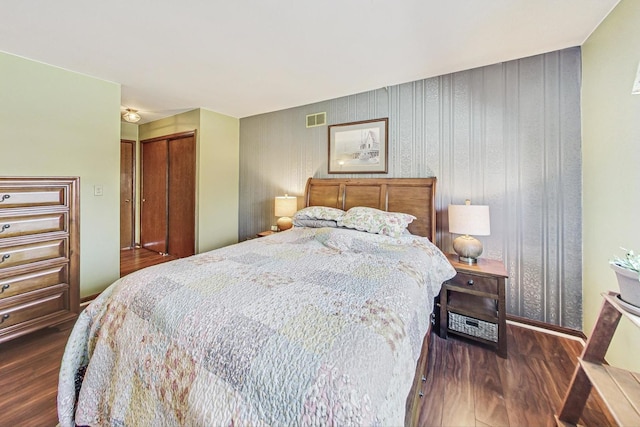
[475,327]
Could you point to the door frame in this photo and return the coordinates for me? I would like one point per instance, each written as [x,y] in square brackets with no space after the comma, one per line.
[132,206]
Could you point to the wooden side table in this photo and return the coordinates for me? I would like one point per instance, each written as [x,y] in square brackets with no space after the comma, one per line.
[472,303]
[265,233]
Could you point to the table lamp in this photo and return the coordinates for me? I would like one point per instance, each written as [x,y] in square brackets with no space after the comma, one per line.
[468,219]
[285,207]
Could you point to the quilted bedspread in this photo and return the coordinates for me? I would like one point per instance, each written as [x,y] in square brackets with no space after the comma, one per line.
[305,327]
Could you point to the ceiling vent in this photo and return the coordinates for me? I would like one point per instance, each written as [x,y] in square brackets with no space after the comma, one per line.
[317,119]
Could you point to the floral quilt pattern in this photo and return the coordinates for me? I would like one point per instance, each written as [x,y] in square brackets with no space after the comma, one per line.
[312,326]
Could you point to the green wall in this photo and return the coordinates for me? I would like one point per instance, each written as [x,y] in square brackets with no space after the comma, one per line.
[218,178]
[611,171]
[217,158]
[129,131]
[54,122]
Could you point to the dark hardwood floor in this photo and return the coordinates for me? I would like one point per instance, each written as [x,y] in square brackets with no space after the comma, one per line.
[29,368]
[467,385]
[138,258]
[29,365]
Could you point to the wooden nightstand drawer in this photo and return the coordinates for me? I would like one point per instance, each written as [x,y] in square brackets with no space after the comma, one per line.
[474,282]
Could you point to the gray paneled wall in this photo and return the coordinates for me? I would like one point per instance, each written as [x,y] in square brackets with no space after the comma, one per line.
[506,135]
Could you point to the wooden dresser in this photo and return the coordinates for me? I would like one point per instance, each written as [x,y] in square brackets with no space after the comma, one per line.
[39,253]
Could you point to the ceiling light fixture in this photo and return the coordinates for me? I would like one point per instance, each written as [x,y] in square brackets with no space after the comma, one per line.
[130,115]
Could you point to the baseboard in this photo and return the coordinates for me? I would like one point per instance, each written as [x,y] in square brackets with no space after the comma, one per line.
[84,301]
[547,328]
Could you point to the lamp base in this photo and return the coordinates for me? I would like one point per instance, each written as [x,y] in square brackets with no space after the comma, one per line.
[284,223]
[466,260]
[468,249]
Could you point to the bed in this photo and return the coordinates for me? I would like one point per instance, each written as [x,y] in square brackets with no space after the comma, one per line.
[322,324]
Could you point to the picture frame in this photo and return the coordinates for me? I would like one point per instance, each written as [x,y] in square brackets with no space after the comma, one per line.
[359,147]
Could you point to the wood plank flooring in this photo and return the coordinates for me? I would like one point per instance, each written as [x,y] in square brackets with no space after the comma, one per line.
[467,385]
[137,258]
[29,368]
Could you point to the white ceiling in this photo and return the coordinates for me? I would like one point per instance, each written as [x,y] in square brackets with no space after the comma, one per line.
[246,57]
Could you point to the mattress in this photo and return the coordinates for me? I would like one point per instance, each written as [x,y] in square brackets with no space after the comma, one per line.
[312,326]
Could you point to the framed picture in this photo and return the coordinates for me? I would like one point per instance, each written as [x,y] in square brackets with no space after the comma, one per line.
[359,147]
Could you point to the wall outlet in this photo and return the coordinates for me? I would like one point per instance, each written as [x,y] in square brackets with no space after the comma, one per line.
[97,190]
[274,228]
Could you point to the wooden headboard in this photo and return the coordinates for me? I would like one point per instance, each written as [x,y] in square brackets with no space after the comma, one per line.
[415,196]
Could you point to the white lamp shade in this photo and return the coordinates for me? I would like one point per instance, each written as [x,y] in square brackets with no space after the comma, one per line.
[286,205]
[469,219]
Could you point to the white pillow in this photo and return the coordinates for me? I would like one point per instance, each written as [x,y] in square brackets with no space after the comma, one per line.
[376,221]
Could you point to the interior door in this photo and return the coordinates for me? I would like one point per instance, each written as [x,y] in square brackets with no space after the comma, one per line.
[127,193]
[182,198]
[153,209]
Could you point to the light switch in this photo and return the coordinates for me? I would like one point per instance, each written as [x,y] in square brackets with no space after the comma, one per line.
[97,190]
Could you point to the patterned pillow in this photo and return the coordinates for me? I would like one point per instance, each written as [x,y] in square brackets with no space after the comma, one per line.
[319,212]
[376,221]
[314,223]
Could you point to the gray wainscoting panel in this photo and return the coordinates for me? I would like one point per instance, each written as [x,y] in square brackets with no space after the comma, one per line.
[505,135]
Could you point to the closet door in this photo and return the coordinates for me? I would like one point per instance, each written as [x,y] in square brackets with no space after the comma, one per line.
[153,210]
[182,196]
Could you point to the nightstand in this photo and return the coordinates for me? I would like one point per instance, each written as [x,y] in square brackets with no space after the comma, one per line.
[472,303]
[265,233]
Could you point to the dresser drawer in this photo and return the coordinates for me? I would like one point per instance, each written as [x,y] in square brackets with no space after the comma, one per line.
[33,309]
[20,197]
[478,283]
[23,225]
[33,280]
[14,255]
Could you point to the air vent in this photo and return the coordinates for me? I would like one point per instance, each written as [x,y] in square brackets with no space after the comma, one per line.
[317,119]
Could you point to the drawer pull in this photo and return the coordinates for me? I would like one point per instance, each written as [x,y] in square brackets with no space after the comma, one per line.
[4,287]
[424,378]
[421,394]
[473,323]
[4,227]
[469,282]
[4,258]
[4,197]
[4,317]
